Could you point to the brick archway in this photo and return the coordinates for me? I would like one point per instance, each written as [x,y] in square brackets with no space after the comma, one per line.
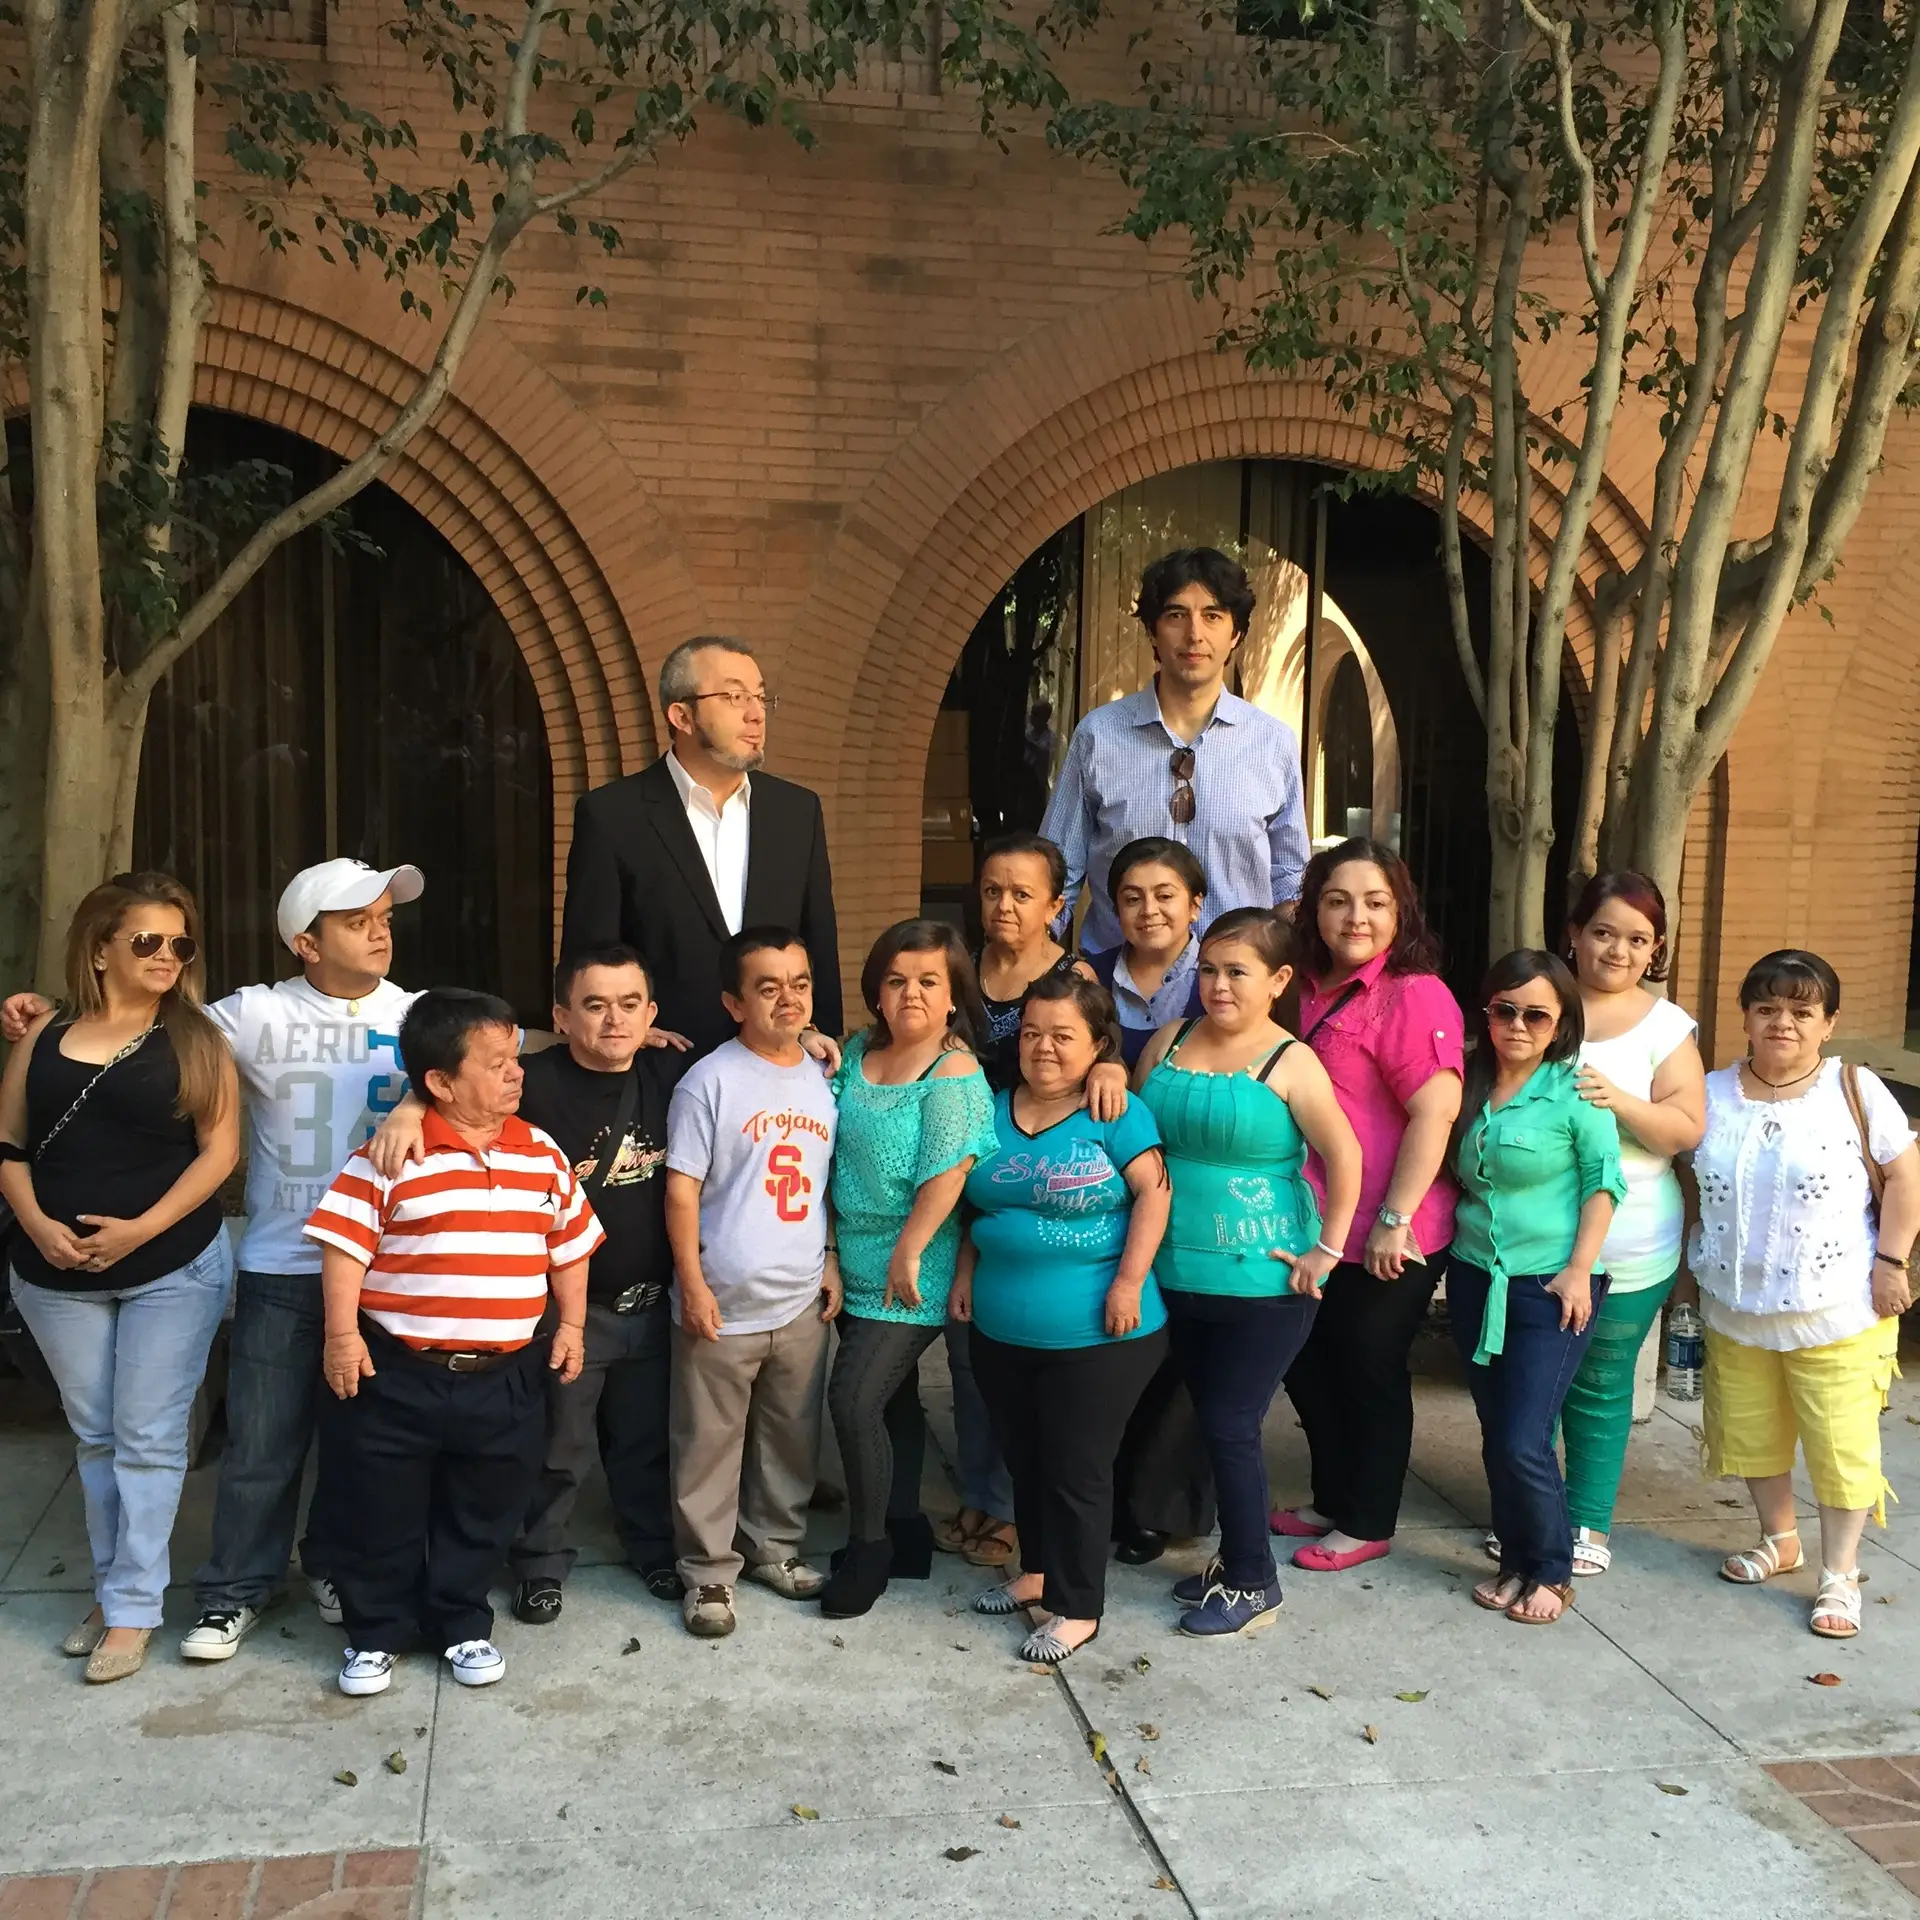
[1102,403]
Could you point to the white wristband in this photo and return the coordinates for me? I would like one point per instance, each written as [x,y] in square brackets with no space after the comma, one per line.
[1333,1253]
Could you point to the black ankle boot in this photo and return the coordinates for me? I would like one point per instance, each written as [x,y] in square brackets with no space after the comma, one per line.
[912,1540]
[858,1581]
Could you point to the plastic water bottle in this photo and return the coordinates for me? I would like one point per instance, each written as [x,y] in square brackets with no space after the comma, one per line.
[1686,1353]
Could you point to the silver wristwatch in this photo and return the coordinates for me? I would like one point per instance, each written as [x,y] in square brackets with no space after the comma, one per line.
[1388,1218]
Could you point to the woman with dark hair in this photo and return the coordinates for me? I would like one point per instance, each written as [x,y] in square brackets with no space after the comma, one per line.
[1239,1106]
[1159,893]
[915,1113]
[1388,1032]
[1809,1201]
[1640,1063]
[1066,1324]
[119,1118]
[1539,1172]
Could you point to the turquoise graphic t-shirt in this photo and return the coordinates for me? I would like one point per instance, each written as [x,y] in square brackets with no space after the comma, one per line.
[1052,1215]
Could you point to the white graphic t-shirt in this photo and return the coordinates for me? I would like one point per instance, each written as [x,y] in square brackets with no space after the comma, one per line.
[320,1075]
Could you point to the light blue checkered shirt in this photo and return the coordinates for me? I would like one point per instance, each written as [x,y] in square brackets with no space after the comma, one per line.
[1249,828]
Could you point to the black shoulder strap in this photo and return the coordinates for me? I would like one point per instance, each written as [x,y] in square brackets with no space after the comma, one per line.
[1180,1038]
[1273,1060]
[616,1133]
[1341,999]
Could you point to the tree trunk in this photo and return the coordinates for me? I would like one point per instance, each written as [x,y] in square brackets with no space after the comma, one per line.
[1658,833]
[23,770]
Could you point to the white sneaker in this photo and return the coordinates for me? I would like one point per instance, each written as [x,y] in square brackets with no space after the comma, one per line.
[476,1663]
[217,1634]
[366,1673]
[326,1600]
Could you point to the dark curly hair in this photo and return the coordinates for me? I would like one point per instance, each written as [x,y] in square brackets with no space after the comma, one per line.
[1415,948]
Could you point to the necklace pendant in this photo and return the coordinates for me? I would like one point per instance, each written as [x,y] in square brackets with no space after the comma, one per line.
[353,1006]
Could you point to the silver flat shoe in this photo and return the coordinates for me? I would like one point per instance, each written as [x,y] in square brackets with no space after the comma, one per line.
[85,1637]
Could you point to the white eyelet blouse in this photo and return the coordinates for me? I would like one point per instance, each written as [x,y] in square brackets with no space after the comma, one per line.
[1783,1250]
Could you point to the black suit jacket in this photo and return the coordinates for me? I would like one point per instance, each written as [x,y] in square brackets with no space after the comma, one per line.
[635,875]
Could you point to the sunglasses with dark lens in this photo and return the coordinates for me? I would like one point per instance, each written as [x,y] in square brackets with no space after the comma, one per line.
[1509,1013]
[1180,761]
[146,945]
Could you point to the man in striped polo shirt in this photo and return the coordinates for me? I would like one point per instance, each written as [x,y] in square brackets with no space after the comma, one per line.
[436,1281]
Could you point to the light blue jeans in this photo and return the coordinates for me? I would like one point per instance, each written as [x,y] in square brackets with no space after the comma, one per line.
[128,1364]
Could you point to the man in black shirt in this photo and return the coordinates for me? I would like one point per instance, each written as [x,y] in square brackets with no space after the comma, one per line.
[603,1096]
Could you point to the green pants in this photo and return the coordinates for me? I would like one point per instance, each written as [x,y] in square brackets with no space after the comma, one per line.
[1598,1414]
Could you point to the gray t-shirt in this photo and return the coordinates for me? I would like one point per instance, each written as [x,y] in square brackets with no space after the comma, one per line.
[759,1138]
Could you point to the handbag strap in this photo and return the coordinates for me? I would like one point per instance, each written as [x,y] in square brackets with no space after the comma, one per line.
[1340,1000]
[133,1046]
[1857,1106]
[616,1133]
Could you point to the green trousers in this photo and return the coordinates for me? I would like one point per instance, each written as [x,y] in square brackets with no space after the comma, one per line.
[1598,1415]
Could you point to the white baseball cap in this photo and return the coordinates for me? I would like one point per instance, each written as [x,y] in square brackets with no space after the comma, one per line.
[338,886]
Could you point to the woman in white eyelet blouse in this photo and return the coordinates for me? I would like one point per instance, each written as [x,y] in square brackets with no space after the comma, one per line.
[1800,1296]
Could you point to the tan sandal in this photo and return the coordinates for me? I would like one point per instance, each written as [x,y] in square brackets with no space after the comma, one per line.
[1563,1591]
[959,1533]
[1487,1593]
[994,1545]
[86,1636]
[104,1668]
[1753,1566]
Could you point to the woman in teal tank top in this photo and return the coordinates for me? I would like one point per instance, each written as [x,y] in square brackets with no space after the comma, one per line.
[1239,1106]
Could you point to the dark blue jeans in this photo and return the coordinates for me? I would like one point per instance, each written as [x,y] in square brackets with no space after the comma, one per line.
[1518,1395]
[273,1399]
[1233,1355]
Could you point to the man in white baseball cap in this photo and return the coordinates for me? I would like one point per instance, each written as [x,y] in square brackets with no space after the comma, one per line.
[340,886]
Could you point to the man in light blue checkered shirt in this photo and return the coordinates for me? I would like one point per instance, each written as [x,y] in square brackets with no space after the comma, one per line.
[1185,758]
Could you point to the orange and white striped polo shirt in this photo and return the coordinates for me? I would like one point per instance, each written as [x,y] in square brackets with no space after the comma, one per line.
[459,1246]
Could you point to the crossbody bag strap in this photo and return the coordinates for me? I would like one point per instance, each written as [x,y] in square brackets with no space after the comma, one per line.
[1344,997]
[1857,1106]
[616,1133]
[133,1046]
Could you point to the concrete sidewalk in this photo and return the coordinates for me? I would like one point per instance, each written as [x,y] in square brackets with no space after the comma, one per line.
[1613,1765]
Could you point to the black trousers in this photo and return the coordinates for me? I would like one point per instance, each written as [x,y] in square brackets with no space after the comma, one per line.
[1163,1479]
[1354,1398]
[873,1395]
[1059,1415]
[426,1476]
[617,1409]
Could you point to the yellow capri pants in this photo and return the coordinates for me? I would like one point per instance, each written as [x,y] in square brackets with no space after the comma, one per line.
[1829,1399]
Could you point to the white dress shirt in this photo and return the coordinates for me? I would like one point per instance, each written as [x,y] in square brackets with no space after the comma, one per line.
[720,832]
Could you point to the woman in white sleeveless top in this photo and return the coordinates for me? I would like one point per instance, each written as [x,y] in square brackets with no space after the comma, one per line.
[1641,1063]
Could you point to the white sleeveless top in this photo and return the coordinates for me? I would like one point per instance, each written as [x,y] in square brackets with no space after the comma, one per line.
[1643,1244]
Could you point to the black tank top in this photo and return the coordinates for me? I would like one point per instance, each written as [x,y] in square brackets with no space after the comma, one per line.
[1000,1051]
[119,1155]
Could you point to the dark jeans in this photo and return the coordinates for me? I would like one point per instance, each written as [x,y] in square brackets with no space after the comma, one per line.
[1233,1354]
[1518,1395]
[873,1395]
[1058,1414]
[430,1473]
[273,1401]
[617,1409]
[1351,1390]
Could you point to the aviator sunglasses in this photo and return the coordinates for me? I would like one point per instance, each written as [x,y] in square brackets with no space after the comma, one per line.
[146,945]
[1509,1013]
[1180,762]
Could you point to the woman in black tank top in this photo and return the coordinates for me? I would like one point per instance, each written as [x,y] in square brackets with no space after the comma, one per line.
[119,1119]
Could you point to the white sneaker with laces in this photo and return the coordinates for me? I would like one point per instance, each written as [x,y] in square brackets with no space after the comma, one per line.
[326,1600]
[365,1673]
[476,1663]
[217,1634]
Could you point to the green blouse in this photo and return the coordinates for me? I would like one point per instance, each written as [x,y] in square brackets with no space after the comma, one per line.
[891,1142]
[1526,1169]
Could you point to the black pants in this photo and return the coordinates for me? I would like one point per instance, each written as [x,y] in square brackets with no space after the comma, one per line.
[1234,1354]
[618,1409]
[1162,1479]
[873,1395]
[1058,1415]
[426,1476]
[1351,1390]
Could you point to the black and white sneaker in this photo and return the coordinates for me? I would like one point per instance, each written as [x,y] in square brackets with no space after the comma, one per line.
[364,1673]
[217,1634]
[326,1599]
[476,1663]
[536,1603]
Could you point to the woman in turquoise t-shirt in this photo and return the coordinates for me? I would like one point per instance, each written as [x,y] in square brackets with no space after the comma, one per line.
[1239,1105]
[1068,1327]
[915,1113]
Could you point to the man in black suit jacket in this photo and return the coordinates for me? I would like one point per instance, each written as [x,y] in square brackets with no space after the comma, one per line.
[673,860]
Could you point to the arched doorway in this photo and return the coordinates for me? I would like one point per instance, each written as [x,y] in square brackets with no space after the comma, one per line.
[363,696]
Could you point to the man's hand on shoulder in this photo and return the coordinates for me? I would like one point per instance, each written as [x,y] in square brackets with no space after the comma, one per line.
[823,1048]
[18,1012]
[401,1137]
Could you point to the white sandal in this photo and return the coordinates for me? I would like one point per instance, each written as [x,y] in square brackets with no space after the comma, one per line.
[1754,1565]
[1591,1554]
[1838,1599]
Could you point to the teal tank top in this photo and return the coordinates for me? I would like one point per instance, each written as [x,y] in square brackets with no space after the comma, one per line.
[1235,1157]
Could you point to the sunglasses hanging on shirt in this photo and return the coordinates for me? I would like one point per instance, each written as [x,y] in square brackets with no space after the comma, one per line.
[1181,805]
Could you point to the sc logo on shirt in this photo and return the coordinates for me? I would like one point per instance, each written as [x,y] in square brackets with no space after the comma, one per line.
[787,1183]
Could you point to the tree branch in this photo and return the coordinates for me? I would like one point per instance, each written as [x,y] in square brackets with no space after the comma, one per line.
[180,224]
[1559,36]
[1450,555]
[621,162]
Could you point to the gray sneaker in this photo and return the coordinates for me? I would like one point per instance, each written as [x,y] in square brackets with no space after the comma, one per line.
[792,1579]
[708,1612]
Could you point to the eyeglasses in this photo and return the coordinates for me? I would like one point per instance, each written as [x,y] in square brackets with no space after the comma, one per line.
[1180,807]
[738,700]
[146,945]
[1509,1013]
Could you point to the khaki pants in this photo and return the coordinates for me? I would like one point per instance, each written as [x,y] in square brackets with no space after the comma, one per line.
[745,1434]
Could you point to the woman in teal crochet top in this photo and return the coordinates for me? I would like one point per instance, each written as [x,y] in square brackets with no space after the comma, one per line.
[915,1113]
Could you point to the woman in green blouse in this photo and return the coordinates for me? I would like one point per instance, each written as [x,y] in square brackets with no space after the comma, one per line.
[1539,1172]
[915,1113]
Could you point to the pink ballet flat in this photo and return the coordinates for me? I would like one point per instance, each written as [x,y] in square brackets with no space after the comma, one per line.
[1324,1560]
[1287,1521]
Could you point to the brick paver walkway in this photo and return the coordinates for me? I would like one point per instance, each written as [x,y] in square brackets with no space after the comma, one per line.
[1875,1803]
[307,1886]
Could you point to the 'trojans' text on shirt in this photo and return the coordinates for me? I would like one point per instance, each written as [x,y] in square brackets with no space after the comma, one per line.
[758,1125]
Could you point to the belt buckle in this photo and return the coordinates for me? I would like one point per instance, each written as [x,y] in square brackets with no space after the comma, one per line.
[466,1362]
[634,1298]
